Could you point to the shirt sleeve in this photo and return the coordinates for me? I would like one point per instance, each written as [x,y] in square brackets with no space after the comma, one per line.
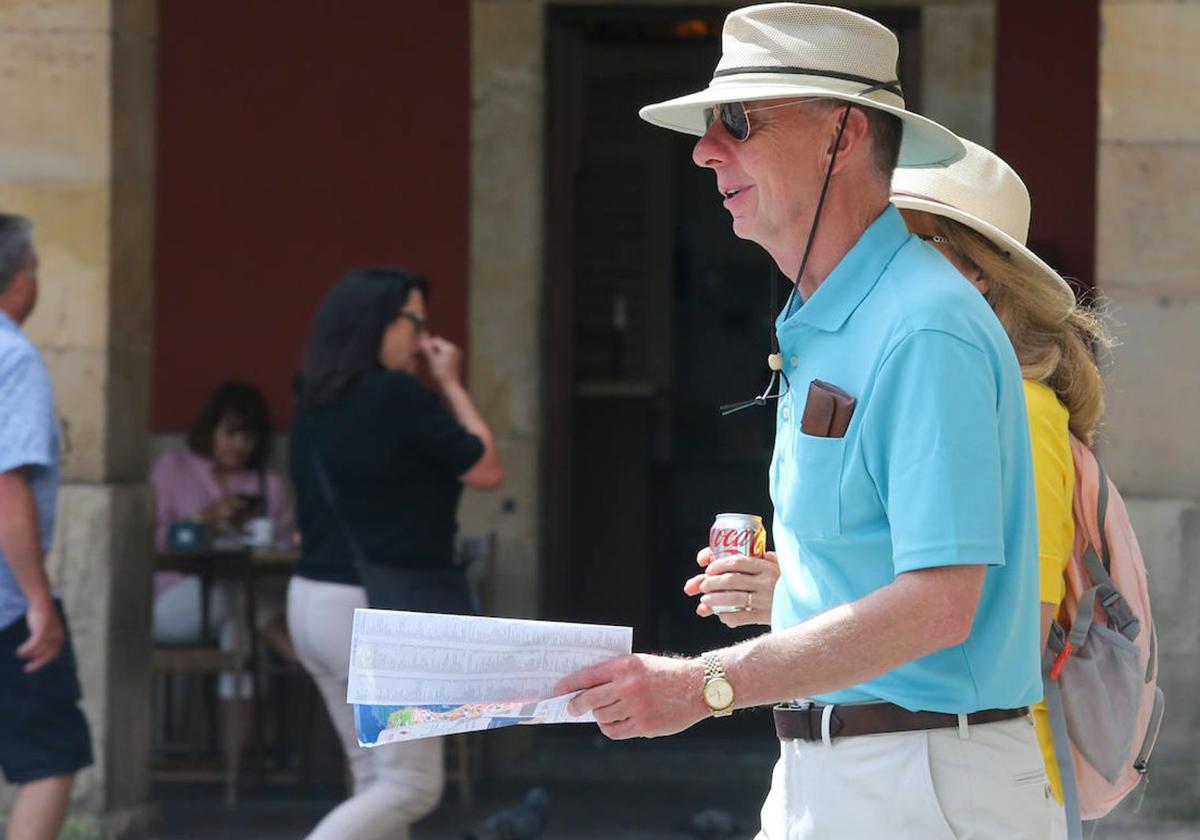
[26,413]
[1054,477]
[931,442]
[428,426]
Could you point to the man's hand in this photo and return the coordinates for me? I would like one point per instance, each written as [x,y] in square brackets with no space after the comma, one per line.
[444,360]
[639,696]
[732,582]
[45,635]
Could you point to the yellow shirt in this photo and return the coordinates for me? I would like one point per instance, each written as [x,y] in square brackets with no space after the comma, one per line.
[1054,477]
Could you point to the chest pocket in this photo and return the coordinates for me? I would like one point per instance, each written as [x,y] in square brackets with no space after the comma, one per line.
[809,487]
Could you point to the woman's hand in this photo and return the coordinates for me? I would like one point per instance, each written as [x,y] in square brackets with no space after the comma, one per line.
[225,509]
[444,360]
[735,581]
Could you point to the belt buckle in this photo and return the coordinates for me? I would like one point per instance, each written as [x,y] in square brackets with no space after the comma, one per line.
[805,709]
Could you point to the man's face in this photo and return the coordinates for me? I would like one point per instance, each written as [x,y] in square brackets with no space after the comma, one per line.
[22,294]
[770,182]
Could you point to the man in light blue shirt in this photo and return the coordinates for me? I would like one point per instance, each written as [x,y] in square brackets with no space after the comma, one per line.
[905,525]
[932,472]
[44,738]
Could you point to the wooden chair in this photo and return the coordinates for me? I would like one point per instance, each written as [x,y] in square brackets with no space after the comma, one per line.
[464,754]
[208,658]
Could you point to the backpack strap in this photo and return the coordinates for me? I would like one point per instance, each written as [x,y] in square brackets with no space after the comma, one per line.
[1156,714]
[1062,741]
[1120,615]
[1101,514]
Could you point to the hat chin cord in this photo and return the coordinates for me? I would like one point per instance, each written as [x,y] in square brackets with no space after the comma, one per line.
[775,359]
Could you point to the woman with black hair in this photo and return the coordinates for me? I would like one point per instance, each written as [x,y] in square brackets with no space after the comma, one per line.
[378,462]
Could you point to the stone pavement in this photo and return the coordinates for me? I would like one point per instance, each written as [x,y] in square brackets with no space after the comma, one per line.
[637,790]
[629,811]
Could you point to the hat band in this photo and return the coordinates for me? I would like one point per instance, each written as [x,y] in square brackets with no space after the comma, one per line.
[892,87]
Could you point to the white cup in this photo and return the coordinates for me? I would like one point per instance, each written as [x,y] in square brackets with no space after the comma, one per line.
[260,532]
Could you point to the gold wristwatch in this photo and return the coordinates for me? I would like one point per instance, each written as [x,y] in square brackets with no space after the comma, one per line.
[718,690]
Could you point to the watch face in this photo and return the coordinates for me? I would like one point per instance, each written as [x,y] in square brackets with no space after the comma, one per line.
[718,694]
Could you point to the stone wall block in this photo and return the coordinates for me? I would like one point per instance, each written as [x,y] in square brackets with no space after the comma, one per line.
[53,15]
[506,228]
[69,219]
[1149,71]
[1148,212]
[54,86]
[1148,437]
[1168,532]
[102,568]
[79,567]
[512,513]
[79,376]
[958,71]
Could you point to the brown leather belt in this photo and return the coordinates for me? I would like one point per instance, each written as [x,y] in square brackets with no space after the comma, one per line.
[804,721]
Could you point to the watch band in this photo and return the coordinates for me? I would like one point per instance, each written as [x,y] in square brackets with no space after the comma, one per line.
[712,667]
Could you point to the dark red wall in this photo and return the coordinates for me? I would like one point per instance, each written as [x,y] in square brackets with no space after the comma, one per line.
[1047,99]
[298,139]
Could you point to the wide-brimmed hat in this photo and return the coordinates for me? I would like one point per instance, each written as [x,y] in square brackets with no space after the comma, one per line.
[793,50]
[982,192]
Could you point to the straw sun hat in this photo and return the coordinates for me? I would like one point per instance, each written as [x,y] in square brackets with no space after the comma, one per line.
[784,50]
[982,192]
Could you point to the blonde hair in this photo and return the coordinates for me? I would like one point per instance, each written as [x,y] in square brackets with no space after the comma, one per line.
[1052,334]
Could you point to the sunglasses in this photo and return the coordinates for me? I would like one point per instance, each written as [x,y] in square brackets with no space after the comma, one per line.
[735,119]
[933,237]
[419,323]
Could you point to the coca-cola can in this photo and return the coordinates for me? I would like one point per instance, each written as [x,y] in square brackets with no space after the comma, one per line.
[736,533]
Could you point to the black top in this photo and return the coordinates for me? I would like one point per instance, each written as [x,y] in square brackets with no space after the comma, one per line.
[393,453]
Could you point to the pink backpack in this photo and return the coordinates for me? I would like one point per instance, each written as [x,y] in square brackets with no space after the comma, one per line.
[1101,663]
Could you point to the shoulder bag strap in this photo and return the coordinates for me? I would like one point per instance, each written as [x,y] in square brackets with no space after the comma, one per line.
[356,553]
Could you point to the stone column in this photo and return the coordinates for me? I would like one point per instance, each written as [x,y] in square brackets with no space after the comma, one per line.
[77,157]
[1148,201]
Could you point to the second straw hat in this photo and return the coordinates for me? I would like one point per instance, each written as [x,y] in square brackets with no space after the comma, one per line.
[982,192]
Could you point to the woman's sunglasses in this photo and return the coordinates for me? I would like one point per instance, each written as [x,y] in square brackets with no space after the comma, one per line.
[419,323]
[735,119]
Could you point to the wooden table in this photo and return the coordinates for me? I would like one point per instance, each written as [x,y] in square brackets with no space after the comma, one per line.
[241,567]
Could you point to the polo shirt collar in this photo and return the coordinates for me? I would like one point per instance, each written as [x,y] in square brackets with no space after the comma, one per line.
[852,278]
[7,323]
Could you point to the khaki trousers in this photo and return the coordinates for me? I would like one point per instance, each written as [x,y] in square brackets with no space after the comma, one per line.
[932,785]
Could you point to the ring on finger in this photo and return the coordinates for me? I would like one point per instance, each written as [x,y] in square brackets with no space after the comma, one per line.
[749,602]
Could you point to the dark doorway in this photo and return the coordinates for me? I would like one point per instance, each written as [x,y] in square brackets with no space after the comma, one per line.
[655,315]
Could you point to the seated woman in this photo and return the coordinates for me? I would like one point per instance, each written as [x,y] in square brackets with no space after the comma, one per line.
[221,480]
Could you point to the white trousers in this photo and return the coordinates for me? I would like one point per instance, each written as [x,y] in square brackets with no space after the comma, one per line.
[394,784]
[177,621]
[932,785]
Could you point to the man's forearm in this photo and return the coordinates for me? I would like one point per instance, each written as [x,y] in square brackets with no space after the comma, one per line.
[20,539]
[915,615]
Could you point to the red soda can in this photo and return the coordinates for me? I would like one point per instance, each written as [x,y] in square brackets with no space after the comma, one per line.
[737,533]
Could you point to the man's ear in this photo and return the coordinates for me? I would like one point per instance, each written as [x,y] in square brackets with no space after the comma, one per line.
[854,137]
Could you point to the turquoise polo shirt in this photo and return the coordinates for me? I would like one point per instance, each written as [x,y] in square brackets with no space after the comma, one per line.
[934,469]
